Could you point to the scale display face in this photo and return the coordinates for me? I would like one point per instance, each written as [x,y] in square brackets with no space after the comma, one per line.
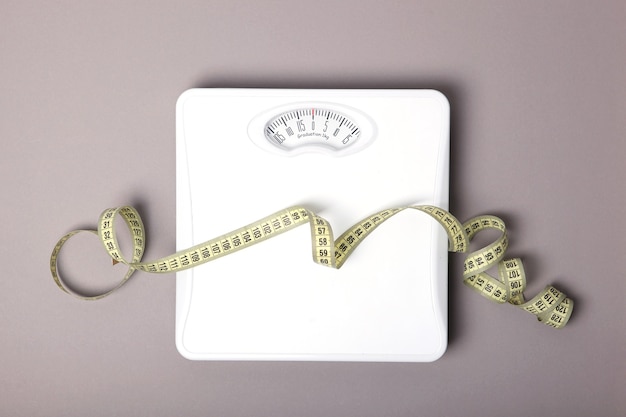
[243,154]
[312,127]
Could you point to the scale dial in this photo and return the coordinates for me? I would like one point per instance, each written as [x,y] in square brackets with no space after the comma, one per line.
[312,127]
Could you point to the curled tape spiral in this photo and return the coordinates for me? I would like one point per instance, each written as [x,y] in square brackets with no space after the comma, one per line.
[551,306]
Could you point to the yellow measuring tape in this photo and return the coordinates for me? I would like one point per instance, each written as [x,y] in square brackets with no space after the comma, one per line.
[550,306]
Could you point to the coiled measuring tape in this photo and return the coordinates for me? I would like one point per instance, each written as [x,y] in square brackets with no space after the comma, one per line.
[551,306]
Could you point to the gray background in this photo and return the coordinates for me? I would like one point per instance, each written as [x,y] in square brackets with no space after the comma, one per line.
[87,95]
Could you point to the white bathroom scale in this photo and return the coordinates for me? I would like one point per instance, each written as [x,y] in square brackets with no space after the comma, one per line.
[243,154]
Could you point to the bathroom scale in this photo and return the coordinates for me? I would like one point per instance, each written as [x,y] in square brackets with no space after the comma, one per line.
[243,154]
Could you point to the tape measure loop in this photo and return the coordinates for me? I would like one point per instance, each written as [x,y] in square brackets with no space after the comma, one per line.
[56,275]
[551,307]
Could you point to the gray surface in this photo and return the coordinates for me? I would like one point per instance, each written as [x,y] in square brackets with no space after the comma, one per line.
[87,94]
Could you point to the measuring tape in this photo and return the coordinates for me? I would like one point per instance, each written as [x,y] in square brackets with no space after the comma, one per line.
[551,306]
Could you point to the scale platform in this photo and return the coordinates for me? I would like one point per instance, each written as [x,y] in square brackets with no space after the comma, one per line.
[243,154]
